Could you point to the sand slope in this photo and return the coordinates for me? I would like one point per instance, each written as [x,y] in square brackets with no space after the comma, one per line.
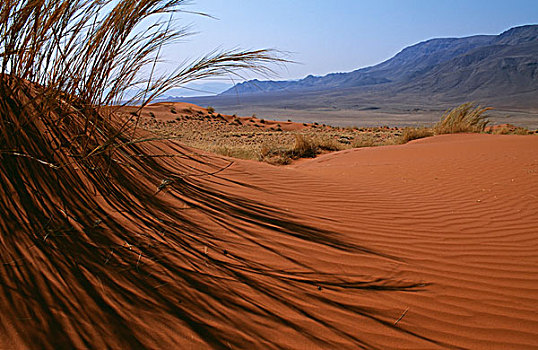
[428,245]
[461,211]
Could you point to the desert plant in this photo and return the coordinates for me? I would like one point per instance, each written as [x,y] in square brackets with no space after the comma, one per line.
[63,65]
[304,147]
[409,134]
[363,141]
[509,129]
[467,117]
[329,144]
[210,110]
[86,235]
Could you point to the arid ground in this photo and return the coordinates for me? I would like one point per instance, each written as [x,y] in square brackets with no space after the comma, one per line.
[453,215]
[426,245]
[174,226]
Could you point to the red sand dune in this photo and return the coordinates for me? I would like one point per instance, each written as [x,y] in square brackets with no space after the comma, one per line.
[168,111]
[432,244]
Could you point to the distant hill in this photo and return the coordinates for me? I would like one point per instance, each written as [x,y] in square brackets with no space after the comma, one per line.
[425,78]
[493,64]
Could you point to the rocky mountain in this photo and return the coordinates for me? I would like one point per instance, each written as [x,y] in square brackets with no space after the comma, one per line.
[476,66]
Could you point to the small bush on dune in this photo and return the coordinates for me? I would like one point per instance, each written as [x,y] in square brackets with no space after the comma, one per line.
[305,147]
[275,154]
[464,118]
[410,134]
[72,174]
[363,141]
[509,130]
[329,144]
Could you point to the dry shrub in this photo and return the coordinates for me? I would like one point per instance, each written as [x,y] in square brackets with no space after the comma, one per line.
[328,143]
[305,147]
[241,152]
[509,130]
[363,141]
[275,154]
[464,118]
[414,134]
[87,239]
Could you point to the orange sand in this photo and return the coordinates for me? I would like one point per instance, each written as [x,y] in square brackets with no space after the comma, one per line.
[451,220]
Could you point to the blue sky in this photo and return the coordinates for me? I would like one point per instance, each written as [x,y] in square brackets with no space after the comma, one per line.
[340,35]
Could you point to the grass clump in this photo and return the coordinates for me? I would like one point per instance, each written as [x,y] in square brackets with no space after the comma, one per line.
[363,141]
[305,147]
[73,174]
[509,130]
[275,154]
[410,134]
[243,152]
[329,144]
[464,118]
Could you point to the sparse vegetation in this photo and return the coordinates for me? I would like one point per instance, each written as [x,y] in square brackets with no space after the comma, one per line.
[304,147]
[410,134]
[210,110]
[74,175]
[365,140]
[269,142]
[275,143]
[508,129]
[464,118]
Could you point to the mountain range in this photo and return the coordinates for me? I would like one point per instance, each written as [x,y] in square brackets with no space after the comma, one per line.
[499,70]
[507,62]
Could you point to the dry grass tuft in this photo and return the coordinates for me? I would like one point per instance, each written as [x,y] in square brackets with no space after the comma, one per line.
[464,118]
[361,141]
[305,147]
[508,129]
[410,134]
[330,143]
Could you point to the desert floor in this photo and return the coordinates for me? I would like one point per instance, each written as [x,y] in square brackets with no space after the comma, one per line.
[431,244]
[456,212]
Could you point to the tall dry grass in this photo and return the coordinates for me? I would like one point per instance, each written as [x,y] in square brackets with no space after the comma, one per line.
[87,240]
[409,134]
[467,117]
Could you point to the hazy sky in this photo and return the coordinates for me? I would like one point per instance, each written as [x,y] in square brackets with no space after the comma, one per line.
[342,35]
